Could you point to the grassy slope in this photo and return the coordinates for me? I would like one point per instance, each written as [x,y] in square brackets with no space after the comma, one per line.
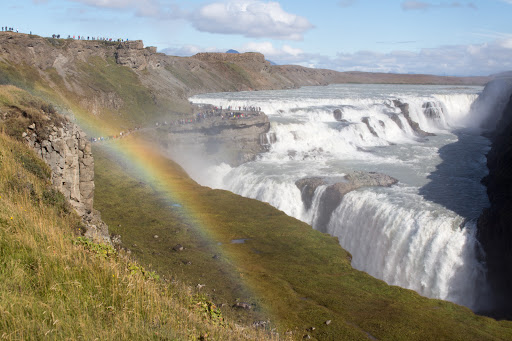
[53,284]
[298,276]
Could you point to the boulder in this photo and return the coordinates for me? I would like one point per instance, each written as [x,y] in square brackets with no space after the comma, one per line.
[336,190]
[338,115]
[404,108]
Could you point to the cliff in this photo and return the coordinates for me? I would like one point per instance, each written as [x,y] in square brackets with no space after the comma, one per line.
[62,145]
[494,225]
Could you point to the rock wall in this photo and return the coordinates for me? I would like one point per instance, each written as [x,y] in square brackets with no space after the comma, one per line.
[66,149]
[495,223]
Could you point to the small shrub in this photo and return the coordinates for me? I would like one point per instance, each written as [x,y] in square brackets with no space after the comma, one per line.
[48,108]
[18,184]
[208,309]
[101,250]
[137,269]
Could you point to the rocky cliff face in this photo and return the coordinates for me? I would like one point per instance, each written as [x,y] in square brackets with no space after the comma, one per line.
[66,149]
[495,224]
[68,153]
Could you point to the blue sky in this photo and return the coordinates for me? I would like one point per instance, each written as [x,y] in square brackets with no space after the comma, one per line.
[436,37]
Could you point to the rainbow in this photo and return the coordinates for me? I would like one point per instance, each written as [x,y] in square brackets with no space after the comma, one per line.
[146,162]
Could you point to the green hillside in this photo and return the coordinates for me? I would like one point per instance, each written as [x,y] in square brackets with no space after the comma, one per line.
[54,283]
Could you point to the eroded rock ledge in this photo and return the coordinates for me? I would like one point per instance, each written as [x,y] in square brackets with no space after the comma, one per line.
[216,139]
[336,190]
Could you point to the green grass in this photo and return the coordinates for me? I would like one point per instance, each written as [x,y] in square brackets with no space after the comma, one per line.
[137,211]
[297,276]
[54,284]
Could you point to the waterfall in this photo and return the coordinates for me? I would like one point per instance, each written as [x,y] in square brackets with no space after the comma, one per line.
[413,234]
[425,250]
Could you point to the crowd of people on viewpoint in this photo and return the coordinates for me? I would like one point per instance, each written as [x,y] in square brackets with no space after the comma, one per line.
[230,113]
[80,37]
[119,40]
[8,29]
[121,135]
[216,112]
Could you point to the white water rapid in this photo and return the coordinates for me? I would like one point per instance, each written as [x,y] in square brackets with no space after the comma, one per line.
[419,233]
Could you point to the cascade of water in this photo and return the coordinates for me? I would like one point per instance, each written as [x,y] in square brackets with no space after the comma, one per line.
[425,250]
[394,234]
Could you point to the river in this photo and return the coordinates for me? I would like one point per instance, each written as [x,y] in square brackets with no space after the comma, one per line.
[418,234]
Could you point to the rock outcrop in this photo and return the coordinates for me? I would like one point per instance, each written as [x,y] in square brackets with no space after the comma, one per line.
[338,115]
[216,139]
[432,110]
[495,223]
[67,151]
[404,108]
[335,190]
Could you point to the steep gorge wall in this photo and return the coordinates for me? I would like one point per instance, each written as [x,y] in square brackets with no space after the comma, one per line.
[495,223]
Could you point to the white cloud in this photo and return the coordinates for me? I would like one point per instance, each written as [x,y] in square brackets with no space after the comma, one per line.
[464,60]
[411,5]
[142,8]
[271,52]
[459,60]
[250,18]
[506,43]
[116,3]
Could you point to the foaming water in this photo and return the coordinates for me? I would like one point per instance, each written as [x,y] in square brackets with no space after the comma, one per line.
[418,234]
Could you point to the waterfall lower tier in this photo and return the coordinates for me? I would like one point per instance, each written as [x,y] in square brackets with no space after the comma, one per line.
[432,252]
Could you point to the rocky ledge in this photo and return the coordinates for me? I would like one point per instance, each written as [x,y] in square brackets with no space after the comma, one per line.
[336,190]
[230,137]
